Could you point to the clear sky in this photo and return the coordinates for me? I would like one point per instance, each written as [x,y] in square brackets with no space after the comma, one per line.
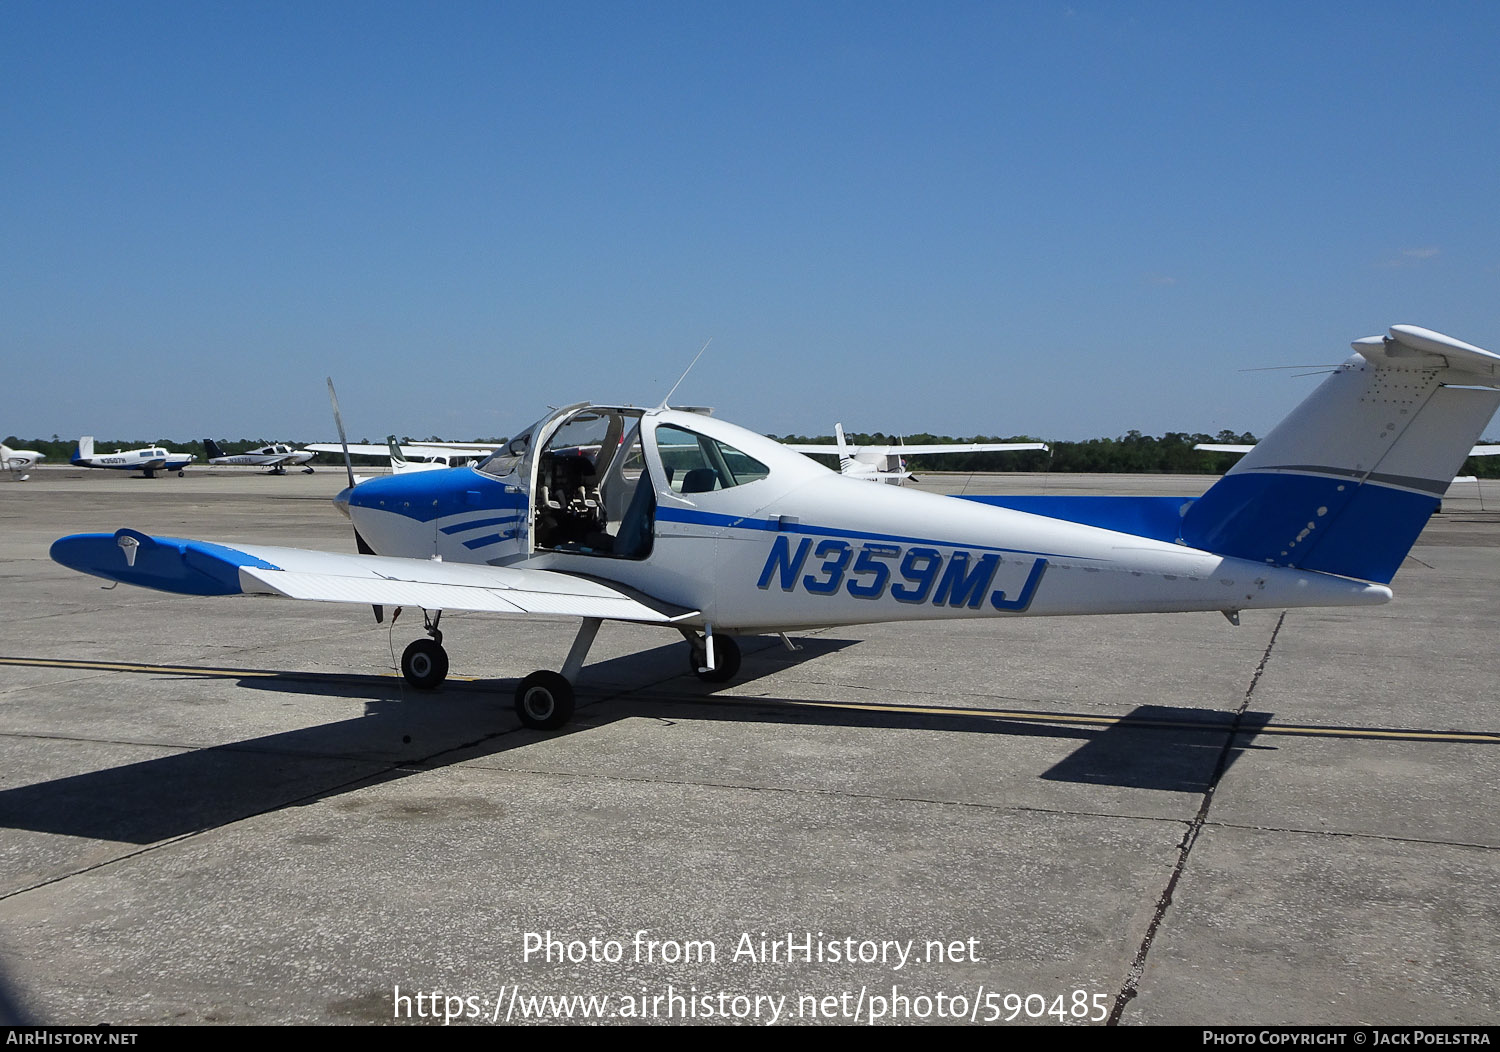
[1060,219]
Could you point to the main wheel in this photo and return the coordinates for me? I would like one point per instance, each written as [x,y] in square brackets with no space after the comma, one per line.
[726,660]
[544,700]
[424,663]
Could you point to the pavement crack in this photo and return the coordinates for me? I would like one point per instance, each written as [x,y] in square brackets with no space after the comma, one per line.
[1138,967]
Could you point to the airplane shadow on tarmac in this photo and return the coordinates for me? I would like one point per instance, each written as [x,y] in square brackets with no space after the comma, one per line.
[400,731]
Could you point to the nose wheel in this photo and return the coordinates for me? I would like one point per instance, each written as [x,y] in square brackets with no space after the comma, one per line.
[424,663]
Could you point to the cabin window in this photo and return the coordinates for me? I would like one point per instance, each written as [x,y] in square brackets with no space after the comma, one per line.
[699,464]
[504,460]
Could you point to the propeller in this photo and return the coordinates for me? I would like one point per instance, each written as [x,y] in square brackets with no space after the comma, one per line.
[360,543]
[338,420]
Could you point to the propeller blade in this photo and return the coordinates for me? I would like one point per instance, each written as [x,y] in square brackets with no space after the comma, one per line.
[338,420]
[359,542]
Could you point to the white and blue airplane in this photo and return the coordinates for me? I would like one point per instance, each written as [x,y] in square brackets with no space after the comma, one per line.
[276,456]
[147,460]
[19,462]
[713,531]
[886,464]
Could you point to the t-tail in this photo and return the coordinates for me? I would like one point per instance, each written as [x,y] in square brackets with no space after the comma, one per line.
[1345,484]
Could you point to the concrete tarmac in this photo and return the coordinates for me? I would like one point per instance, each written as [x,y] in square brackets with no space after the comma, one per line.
[235,811]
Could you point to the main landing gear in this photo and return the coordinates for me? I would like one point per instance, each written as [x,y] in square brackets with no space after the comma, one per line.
[545,700]
[713,659]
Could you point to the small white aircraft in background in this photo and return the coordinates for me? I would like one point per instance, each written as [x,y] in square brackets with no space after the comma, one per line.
[683,521]
[276,456]
[884,463]
[19,462]
[148,460]
[415,456]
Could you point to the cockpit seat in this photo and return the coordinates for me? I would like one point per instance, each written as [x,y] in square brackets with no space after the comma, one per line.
[699,480]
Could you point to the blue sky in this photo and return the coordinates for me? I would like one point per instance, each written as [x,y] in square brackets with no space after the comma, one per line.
[1066,220]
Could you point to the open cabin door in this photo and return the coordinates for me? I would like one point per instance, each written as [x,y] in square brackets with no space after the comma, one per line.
[591,493]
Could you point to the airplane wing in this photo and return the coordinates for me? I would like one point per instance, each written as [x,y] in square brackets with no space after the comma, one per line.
[408,449]
[1485,451]
[172,564]
[355,448]
[813,449]
[829,449]
[476,448]
[962,447]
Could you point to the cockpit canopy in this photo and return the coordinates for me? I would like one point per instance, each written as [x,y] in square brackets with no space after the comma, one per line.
[584,467]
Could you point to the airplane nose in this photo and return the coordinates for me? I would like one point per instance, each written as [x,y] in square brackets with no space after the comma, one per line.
[341,501]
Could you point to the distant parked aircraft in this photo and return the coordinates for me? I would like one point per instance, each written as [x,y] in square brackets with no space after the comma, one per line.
[884,463]
[276,457]
[148,460]
[18,462]
[415,456]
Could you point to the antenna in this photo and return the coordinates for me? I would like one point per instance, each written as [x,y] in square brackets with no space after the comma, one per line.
[683,377]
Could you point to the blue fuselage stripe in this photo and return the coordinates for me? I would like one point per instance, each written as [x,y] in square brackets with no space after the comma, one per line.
[703,518]
[479,524]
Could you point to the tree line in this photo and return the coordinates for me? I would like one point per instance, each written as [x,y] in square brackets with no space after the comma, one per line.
[1132,453]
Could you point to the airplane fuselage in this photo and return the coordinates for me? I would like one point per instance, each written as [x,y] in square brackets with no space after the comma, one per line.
[19,461]
[147,460]
[800,546]
[273,456]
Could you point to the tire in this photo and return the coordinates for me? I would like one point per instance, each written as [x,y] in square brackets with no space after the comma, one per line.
[726,660]
[424,664]
[544,701]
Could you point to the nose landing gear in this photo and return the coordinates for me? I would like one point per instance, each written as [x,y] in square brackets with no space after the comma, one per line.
[424,663]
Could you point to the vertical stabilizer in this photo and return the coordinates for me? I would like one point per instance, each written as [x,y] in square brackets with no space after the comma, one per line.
[85,450]
[398,459]
[845,458]
[1346,483]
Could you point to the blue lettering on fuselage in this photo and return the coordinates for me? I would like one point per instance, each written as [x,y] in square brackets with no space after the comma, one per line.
[913,575]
